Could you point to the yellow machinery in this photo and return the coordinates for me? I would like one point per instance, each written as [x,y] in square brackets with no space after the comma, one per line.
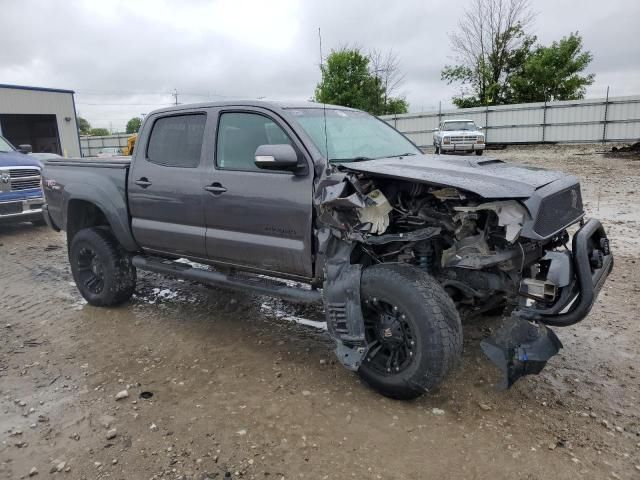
[131,142]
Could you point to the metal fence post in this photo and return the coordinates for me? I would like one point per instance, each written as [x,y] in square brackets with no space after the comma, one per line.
[544,120]
[606,113]
[486,124]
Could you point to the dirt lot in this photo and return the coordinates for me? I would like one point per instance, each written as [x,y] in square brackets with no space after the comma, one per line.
[239,387]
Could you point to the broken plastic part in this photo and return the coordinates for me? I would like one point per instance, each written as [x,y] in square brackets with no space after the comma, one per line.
[520,348]
[377,214]
[511,215]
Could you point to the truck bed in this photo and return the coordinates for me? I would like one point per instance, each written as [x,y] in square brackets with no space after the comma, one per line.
[99,181]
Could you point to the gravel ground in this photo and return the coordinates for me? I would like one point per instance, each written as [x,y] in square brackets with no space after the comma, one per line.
[221,382]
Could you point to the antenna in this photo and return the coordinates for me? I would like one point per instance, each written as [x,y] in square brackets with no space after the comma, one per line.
[324,105]
[175,96]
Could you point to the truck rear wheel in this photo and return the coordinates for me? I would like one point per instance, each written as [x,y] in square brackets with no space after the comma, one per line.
[101,268]
[412,328]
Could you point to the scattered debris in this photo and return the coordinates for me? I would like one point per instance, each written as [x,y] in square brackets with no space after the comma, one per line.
[121,395]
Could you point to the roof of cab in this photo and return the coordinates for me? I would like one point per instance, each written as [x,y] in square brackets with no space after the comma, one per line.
[271,105]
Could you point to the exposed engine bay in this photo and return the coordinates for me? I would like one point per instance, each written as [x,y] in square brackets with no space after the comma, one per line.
[487,254]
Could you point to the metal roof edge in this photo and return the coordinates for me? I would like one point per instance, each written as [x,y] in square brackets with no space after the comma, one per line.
[37,89]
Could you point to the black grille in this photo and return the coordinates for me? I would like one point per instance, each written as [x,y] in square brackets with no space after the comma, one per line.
[24,172]
[10,208]
[558,211]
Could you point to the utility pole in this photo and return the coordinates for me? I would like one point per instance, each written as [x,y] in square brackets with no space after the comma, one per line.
[175,96]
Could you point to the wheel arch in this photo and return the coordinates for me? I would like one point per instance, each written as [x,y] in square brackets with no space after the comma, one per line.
[95,208]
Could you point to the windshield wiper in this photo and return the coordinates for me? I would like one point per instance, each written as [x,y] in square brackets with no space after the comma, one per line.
[408,154]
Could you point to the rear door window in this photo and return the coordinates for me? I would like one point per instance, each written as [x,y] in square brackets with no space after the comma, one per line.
[176,141]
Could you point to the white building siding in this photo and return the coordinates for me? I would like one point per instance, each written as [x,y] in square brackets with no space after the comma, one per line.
[45,102]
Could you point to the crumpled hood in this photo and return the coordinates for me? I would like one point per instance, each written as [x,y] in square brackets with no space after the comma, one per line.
[15,159]
[487,177]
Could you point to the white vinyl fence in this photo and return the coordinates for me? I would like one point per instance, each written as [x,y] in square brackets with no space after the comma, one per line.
[90,145]
[614,119]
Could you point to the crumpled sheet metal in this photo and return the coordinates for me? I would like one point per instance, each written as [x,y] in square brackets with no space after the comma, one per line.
[336,197]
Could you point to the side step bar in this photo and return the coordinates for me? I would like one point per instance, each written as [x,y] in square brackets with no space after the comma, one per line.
[260,285]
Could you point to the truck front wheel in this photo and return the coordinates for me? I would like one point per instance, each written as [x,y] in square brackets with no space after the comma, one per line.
[101,268]
[412,328]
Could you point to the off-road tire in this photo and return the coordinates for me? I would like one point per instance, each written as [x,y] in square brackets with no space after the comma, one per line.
[434,322]
[479,152]
[118,274]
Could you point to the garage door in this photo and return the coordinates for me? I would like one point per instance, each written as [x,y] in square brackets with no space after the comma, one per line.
[39,131]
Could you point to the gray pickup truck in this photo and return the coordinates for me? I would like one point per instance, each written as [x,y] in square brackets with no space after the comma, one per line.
[397,245]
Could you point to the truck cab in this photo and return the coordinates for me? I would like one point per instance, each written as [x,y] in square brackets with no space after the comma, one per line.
[21,197]
[460,135]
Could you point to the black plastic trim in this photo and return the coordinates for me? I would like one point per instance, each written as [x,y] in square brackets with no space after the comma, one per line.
[589,283]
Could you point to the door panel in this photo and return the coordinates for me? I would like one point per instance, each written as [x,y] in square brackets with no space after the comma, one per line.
[166,187]
[257,218]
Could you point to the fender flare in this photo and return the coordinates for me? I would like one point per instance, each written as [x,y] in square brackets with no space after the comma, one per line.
[111,203]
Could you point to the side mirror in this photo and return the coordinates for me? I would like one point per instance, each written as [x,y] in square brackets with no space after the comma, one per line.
[276,157]
[26,148]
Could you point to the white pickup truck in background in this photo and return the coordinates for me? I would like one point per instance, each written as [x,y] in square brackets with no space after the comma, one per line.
[459,135]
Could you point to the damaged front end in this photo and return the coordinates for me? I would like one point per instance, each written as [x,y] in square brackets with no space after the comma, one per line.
[489,255]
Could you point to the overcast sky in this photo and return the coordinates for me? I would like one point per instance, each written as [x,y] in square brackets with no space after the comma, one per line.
[124,58]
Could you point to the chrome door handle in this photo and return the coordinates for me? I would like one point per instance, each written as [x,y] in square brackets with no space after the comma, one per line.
[215,188]
[143,182]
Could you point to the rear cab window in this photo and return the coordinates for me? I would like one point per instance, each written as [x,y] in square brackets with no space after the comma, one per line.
[176,140]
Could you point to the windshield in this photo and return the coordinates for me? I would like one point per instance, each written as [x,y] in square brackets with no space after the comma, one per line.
[5,146]
[461,125]
[352,135]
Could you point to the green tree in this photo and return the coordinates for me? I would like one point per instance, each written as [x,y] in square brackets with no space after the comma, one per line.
[133,125]
[349,80]
[490,43]
[99,132]
[84,127]
[553,72]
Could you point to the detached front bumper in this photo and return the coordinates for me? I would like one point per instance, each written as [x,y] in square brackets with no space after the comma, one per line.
[592,262]
[523,345]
